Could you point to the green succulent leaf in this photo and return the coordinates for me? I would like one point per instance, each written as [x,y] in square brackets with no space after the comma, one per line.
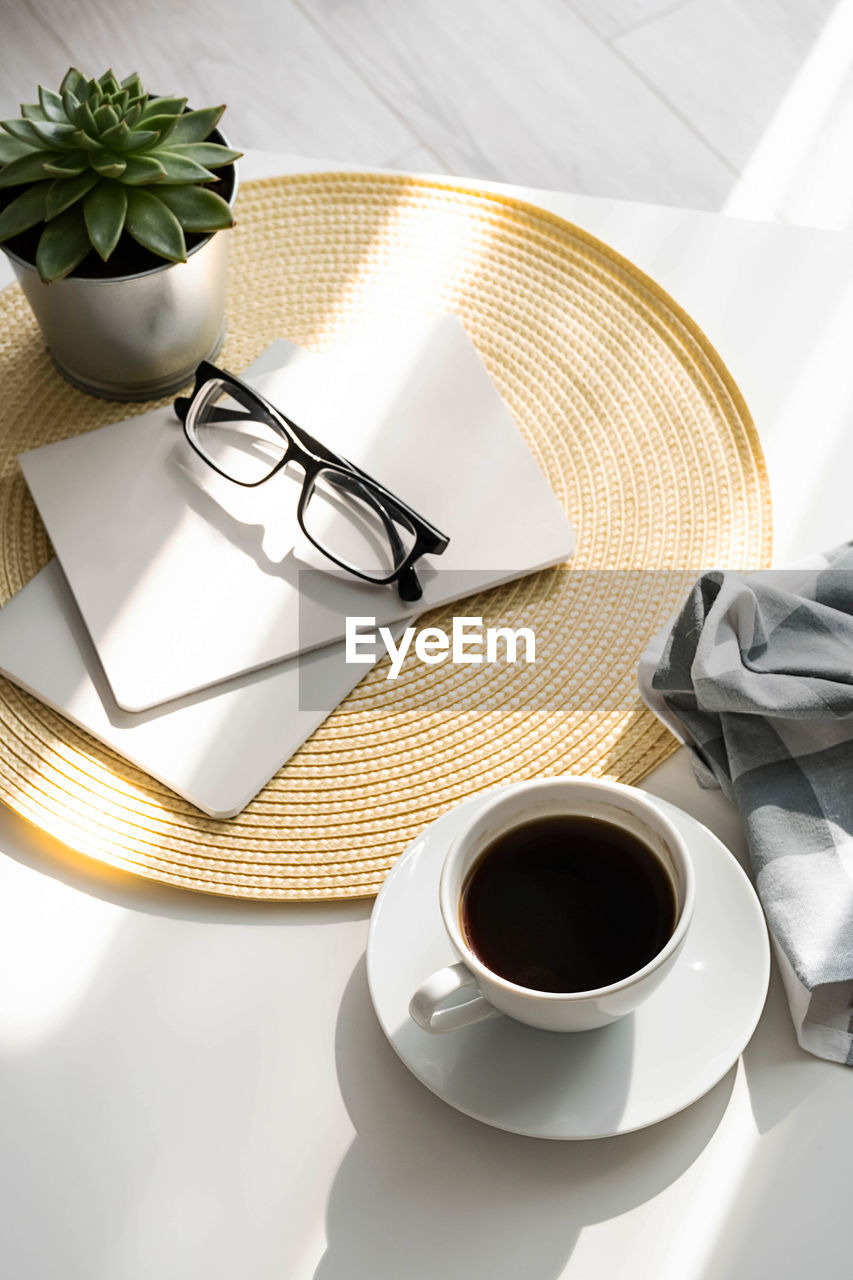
[105,118]
[141,170]
[161,124]
[51,105]
[73,82]
[24,131]
[196,208]
[194,126]
[66,166]
[163,107]
[12,148]
[27,168]
[24,211]
[71,106]
[154,226]
[63,192]
[210,154]
[104,211]
[108,82]
[80,138]
[139,138]
[133,85]
[117,136]
[86,120]
[54,135]
[32,111]
[183,169]
[109,164]
[134,114]
[63,245]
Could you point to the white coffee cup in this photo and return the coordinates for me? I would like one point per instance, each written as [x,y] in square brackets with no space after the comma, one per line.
[435,1005]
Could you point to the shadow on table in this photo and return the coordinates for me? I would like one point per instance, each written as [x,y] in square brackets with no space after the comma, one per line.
[425,1191]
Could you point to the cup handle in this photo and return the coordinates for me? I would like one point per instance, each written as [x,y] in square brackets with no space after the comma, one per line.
[424,1005]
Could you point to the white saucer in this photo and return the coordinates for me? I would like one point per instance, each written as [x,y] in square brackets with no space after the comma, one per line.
[591,1084]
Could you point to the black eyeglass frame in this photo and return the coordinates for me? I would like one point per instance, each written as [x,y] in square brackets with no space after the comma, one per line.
[313,457]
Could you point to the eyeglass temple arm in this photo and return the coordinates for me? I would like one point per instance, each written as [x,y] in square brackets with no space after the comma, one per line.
[409,585]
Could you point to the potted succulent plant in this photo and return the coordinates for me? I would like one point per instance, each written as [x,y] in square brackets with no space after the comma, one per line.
[110,201]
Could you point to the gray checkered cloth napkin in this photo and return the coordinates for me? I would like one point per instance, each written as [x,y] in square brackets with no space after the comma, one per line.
[756,677]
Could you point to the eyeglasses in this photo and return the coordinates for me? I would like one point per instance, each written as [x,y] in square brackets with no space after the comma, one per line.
[354,520]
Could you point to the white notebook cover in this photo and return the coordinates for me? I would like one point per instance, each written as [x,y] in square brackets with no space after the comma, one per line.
[184,579]
[216,748]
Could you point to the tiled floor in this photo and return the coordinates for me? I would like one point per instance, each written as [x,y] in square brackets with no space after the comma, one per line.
[745,105]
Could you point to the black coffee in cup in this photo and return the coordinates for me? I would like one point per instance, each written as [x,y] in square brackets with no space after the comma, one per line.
[567,903]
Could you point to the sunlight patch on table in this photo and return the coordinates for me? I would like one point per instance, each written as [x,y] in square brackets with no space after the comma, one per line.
[52,942]
[725,1171]
[423,251]
[800,171]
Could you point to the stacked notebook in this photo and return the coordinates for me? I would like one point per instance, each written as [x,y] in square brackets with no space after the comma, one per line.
[185,616]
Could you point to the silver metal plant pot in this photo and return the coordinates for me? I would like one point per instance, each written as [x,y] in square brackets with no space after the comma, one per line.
[134,337]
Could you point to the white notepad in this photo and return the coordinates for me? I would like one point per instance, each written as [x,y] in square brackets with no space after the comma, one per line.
[185,580]
[216,748]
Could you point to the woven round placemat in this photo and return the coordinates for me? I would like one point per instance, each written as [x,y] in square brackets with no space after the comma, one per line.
[633,418]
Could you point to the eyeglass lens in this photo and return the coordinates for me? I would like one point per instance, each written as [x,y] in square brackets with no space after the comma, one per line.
[224,426]
[345,518]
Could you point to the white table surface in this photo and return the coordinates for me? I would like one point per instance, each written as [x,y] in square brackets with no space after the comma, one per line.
[193,1087]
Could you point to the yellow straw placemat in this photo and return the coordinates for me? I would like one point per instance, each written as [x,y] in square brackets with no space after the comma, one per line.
[633,418]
